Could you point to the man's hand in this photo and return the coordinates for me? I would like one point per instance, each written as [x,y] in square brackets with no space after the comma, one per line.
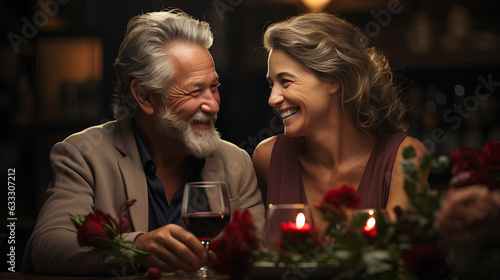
[170,248]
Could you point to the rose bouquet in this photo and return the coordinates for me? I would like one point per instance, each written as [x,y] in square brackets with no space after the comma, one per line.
[240,247]
[450,236]
[474,168]
[103,234]
[337,206]
[234,251]
[361,251]
[469,218]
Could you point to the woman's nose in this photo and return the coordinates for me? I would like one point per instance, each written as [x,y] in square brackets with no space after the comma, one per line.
[276,97]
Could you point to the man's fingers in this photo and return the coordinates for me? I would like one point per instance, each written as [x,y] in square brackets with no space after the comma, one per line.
[171,247]
[167,261]
[188,239]
[177,253]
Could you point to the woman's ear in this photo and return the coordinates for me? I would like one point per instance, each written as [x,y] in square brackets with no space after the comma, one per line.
[142,97]
[334,87]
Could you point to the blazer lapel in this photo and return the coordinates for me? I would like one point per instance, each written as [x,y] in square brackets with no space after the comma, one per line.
[213,170]
[133,175]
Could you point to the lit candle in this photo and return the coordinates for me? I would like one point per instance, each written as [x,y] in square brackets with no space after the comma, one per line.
[295,233]
[369,229]
[301,220]
[300,226]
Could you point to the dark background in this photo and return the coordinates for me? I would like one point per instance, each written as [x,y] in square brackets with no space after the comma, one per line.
[60,78]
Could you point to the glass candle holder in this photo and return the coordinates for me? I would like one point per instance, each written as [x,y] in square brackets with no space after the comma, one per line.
[370,217]
[289,227]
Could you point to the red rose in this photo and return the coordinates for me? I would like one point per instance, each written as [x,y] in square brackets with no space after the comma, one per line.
[234,249]
[491,151]
[465,159]
[469,178]
[345,196]
[426,262]
[124,223]
[491,156]
[94,228]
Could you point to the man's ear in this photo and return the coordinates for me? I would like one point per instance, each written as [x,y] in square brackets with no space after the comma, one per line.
[142,97]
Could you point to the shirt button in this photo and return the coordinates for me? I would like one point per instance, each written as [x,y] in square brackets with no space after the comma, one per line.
[151,169]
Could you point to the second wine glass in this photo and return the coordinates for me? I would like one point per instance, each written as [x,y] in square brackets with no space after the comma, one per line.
[205,212]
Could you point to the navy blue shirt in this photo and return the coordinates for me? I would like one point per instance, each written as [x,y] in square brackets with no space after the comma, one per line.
[160,211]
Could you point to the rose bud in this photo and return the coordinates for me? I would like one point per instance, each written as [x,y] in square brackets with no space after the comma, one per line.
[124,223]
[154,273]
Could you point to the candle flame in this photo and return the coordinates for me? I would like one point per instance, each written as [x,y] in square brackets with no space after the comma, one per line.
[300,221]
[370,212]
[370,223]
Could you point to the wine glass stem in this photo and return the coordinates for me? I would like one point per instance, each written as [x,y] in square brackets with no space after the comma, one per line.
[205,268]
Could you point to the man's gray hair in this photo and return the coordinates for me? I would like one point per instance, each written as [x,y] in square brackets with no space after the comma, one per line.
[143,54]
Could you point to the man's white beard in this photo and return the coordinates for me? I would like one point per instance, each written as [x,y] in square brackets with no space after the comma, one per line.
[199,143]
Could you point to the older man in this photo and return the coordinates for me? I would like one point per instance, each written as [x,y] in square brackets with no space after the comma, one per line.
[164,136]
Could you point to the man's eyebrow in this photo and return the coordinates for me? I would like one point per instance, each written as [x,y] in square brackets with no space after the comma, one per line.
[198,85]
[216,80]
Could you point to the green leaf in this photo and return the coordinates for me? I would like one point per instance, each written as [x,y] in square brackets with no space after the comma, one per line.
[359,221]
[440,165]
[111,230]
[408,168]
[383,225]
[425,164]
[409,153]
[77,220]
[411,190]
[394,251]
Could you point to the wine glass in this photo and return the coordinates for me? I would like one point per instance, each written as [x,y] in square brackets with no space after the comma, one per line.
[205,212]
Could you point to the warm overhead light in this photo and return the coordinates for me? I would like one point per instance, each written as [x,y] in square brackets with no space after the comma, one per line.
[315,5]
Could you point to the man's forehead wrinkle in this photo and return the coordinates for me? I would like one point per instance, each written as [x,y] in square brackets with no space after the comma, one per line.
[200,80]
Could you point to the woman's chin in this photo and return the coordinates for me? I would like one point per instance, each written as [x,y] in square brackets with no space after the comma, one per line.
[290,132]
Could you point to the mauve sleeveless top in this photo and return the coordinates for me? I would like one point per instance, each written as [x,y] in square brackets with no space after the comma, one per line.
[285,182]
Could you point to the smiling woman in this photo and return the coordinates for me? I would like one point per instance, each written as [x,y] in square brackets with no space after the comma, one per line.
[291,97]
[344,121]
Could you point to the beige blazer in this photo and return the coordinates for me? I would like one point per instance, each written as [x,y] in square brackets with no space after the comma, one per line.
[100,168]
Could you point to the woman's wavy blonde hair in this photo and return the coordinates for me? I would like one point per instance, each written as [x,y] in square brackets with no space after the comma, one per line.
[335,49]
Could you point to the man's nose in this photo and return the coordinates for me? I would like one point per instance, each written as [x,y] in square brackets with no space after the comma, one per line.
[210,102]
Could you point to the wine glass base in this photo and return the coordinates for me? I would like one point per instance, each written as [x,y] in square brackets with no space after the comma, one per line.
[204,273]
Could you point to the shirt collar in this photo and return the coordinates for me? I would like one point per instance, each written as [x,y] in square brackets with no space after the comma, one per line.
[195,165]
[147,161]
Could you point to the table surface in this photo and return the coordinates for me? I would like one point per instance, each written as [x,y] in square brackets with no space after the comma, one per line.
[23,276]
[259,271]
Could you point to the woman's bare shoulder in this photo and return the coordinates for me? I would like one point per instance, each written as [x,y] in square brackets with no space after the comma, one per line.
[262,162]
[419,147]
[264,149]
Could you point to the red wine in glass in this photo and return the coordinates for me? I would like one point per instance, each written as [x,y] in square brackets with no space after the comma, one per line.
[206,211]
[206,225]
